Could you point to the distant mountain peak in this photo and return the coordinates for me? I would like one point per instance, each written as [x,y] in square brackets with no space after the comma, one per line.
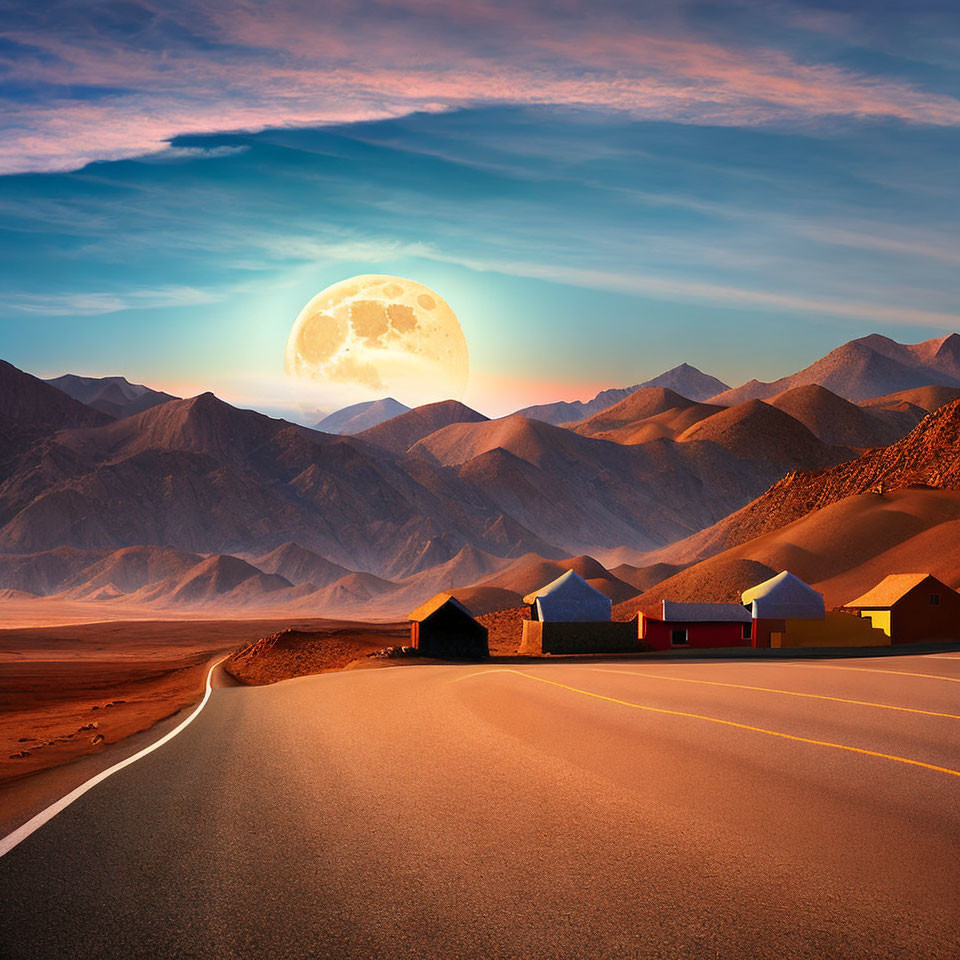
[115,396]
[689,382]
[684,379]
[870,366]
[403,431]
[361,416]
[38,408]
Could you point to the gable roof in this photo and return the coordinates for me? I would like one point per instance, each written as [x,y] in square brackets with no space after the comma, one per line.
[785,597]
[569,582]
[890,589]
[434,604]
[570,598]
[705,612]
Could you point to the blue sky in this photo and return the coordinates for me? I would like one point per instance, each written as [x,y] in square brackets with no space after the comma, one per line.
[739,186]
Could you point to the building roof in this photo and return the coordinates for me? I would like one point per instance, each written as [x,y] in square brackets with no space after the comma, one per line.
[565,583]
[705,612]
[570,598]
[785,597]
[434,604]
[889,590]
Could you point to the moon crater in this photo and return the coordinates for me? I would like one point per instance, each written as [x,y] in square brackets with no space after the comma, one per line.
[383,333]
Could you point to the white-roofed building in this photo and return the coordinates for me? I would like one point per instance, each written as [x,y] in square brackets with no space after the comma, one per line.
[784,597]
[569,599]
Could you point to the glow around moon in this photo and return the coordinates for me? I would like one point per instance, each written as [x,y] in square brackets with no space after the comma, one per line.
[386,335]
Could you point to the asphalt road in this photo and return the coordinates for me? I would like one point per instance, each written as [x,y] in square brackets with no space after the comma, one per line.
[555,810]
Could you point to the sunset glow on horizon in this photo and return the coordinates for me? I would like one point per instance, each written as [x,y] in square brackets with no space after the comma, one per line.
[602,194]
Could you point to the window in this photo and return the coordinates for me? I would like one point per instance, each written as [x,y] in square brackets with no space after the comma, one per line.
[678,638]
[748,631]
[934,599]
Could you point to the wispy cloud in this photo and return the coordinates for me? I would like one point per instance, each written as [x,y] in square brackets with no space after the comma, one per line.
[173,154]
[175,68]
[89,304]
[686,290]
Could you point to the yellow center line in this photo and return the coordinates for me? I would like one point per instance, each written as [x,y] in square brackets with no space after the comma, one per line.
[788,693]
[896,673]
[734,723]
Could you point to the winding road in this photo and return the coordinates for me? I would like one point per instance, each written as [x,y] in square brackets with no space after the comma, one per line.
[707,809]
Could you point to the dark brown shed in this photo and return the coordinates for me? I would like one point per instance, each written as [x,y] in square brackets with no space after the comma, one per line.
[444,627]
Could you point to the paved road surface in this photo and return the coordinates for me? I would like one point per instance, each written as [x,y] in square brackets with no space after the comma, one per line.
[478,812]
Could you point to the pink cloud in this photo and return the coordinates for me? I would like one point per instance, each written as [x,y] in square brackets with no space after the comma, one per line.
[287,64]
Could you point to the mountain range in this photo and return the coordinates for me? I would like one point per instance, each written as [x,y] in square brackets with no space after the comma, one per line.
[892,509]
[361,416]
[194,502]
[868,367]
[115,396]
[684,379]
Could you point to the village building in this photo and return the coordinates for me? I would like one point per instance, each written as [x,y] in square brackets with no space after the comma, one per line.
[569,615]
[776,602]
[683,625]
[911,608]
[569,599]
[443,627]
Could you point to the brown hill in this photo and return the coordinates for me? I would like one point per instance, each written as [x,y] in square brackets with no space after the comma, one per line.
[484,600]
[468,567]
[871,366]
[31,409]
[203,478]
[457,576]
[662,426]
[759,432]
[355,589]
[199,425]
[114,396]
[299,565]
[591,494]
[213,479]
[127,570]
[903,410]
[649,414]
[928,455]
[638,406]
[722,582]
[217,579]
[297,653]
[842,549]
[834,420]
[361,416]
[925,398]
[688,381]
[32,403]
[685,380]
[46,572]
[401,432]
[643,578]
[531,440]
[531,572]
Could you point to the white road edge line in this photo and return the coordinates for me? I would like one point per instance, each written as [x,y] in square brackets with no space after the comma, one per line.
[36,822]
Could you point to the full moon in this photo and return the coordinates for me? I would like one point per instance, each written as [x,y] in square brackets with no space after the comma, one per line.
[388,335]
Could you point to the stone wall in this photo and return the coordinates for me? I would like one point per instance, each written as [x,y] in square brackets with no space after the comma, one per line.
[552,636]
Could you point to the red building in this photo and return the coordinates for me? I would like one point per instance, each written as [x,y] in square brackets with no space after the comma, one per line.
[697,625]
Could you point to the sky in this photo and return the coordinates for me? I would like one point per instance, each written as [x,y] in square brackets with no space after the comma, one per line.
[600,190]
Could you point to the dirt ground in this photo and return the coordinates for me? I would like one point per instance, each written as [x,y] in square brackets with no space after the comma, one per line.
[298,653]
[67,691]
